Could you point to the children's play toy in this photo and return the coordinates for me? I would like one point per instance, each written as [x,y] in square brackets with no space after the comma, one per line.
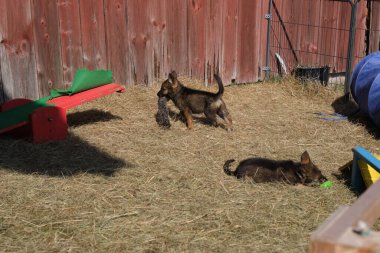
[365,86]
[365,168]
[326,185]
[44,120]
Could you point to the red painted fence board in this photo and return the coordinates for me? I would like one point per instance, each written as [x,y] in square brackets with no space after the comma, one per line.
[47,43]
[71,40]
[17,50]
[117,40]
[93,34]
[177,43]
[229,39]
[374,43]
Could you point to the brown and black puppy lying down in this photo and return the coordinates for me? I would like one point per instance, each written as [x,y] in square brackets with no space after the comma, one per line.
[265,170]
[190,101]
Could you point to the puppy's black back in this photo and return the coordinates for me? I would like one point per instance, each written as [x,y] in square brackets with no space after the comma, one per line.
[266,170]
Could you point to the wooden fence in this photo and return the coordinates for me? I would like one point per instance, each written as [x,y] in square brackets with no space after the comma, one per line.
[43,42]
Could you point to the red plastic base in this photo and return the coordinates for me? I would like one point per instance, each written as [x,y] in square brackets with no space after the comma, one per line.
[47,124]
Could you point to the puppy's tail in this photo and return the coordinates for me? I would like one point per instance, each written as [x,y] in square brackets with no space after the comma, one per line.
[220,85]
[227,169]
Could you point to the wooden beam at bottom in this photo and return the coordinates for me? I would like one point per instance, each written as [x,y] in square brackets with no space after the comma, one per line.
[336,234]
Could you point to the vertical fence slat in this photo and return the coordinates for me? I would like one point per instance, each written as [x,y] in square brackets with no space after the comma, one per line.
[360,32]
[213,39]
[177,42]
[17,50]
[374,41]
[93,34]
[71,41]
[2,97]
[315,8]
[157,27]
[46,26]
[261,27]
[117,40]
[229,45]
[140,42]
[263,41]
[342,35]
[196,37]
[248,39]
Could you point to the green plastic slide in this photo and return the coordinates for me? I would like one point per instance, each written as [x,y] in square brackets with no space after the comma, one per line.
[84,80]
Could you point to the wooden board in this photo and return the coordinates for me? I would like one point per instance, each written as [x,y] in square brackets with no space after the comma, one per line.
[139,42]
[247,40]
[117,40]
[214,30]
[48,47]
[229,45]
[93,34]
[336,235]
[157,27]
[177,37]
[374,39]
[197,38]
[71,41]
[17,50]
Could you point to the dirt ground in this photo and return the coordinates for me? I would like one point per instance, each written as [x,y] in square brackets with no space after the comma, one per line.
[119,183]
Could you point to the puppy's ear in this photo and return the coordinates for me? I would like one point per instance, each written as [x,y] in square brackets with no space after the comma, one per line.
[173,78]
[174,74]
[305,158]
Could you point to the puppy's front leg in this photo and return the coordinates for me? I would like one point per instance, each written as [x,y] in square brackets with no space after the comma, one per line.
[188,117]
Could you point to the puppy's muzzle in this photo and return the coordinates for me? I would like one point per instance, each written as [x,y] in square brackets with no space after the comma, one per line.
[160,94]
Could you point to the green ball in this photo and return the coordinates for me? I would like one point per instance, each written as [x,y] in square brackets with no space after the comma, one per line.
[326,185]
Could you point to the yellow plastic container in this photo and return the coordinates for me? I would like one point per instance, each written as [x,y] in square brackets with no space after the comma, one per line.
[369,174]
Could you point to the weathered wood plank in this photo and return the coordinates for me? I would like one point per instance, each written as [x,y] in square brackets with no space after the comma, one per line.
[177,37]
[117,40]
[48,48]
[303,33]
[71,41]
[247,41]
[17,51]
[2,98]
[315,17]
[359,52]
[260,51]
[93,34]
[3,21]
[229,45]
[214,30]
[342,38]
[336,235]
[197,38]
[157,27]
[139,42]
[374,40]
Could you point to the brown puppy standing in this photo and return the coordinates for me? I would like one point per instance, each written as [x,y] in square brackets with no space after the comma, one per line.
[190,101]
[266,170]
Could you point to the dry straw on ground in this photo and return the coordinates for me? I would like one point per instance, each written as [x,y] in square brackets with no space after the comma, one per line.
[120,183]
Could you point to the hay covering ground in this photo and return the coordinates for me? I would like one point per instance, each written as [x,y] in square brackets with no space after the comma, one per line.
[119,183]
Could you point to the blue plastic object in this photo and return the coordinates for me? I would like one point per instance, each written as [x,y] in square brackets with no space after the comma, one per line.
[356,177]
[364,81]
[357,70]
[374,101]
[365,86]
